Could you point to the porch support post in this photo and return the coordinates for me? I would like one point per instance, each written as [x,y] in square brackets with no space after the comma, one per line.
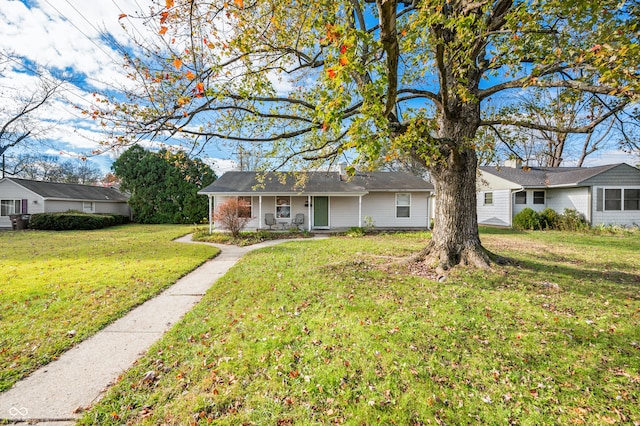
[359,211]
[260,212]
[210,214]
[309,212]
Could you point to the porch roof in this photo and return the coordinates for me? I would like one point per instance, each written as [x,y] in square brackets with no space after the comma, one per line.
[314,183]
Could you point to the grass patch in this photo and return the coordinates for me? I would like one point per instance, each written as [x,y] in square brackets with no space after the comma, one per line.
[334,331]
[58,288]
[247,238]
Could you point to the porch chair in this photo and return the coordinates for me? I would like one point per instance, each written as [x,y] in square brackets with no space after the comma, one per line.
[269,220]
[298,220]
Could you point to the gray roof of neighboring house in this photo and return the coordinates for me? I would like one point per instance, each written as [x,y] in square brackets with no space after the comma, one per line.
[547,176]
[315,183]
[71,191]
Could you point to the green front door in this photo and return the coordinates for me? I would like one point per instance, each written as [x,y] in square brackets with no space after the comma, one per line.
[321,212]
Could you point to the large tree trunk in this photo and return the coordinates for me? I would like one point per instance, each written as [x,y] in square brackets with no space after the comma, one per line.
[455,238]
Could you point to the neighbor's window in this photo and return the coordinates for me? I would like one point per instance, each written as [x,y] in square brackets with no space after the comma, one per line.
[244,208]
[403,205]
[521,197]
[538,197]
[613,199]
[488,198]
[632,199]
[87,207]
[8,207]
[283,207]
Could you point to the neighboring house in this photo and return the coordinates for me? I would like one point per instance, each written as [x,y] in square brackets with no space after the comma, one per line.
[608,195]
[22,196]
[327,200]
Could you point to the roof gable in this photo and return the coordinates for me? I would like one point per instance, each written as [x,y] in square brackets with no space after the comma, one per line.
[70,191]
[314,183]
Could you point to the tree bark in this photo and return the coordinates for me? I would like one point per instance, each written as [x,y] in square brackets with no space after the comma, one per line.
[455,239]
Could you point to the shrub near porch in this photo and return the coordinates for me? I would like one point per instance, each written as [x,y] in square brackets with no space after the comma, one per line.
[57,288]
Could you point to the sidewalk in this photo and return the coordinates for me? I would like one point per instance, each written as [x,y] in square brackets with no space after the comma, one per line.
[55,394]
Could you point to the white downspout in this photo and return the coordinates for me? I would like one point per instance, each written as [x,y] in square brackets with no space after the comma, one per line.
[359,211]
[260,212]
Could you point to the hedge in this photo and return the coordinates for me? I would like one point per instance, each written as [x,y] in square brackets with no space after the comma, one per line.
[68,221]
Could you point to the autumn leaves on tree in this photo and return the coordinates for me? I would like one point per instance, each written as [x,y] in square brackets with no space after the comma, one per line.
[313,81]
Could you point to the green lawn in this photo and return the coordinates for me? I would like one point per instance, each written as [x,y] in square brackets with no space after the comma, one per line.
[58,288]
[336,331]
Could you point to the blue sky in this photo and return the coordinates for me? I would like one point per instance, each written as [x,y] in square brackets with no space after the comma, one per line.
[64,36]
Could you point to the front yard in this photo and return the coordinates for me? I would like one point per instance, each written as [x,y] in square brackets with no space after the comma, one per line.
[58,288]
[336,331]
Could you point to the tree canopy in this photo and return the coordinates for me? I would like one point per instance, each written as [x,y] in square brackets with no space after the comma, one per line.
[164,185]
[319,79]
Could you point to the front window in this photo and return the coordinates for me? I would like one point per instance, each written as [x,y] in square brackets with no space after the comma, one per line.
[403,205]
[87,207]
[283,207]
[538,197]
[613,199]
[488,198]
[521,197]
[244,206]
[632,199]
[8,207]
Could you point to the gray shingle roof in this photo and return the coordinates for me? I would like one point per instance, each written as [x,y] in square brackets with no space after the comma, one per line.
[71,191]
[314,183]
[546,176]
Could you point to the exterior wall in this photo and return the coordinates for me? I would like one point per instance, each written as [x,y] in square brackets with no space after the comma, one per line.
[269,206]
[381,208]
[343,211]
[11,191]
[62,206]
[517,208]
[112,208]
[498,213]
[620,177]
[569,198]
[613,217]
[487,181]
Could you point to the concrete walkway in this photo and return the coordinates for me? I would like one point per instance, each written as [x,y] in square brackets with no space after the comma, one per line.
[56,394]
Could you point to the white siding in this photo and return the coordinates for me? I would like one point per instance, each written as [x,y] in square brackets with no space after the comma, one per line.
[569,198]
[497,213]
[11,191]
[517,208]
[613,217]
[381,207]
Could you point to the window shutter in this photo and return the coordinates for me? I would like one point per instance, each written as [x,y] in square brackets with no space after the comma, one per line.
[599,199]
[25,206]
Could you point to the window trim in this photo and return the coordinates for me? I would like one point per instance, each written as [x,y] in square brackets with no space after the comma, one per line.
[621,203]
[624,199]
[490,202]
[91,209]
[544,197]
[249,199]
[17,206]
[515,195]
[278,206]
[620,200]
[397,205]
